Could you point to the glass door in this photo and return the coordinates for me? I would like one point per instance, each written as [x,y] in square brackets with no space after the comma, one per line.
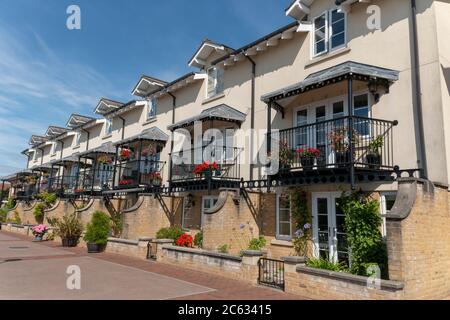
[329,228]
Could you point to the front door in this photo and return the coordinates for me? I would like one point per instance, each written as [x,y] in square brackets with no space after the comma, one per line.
[328,227]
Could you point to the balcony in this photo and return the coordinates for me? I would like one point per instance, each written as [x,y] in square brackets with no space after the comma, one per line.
[144,173]
[208,167]
[339,146]
[92,181]
[62,185]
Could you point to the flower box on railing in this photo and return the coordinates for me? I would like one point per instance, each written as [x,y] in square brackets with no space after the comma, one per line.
[126,182]
[206,169]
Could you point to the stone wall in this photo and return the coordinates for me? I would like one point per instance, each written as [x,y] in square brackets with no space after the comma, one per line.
[136,249]
[418,241]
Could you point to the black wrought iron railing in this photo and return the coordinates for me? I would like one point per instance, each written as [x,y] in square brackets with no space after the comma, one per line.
[62,184]
[139,173]
[339,143]
[92,180]
[216,163]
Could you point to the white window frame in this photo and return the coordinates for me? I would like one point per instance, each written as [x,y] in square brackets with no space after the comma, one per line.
[152,105]
[108,127]
[328,33]
[278,235]
[77,139]
[216,82]
[53,149]
[383,209]
[209,198]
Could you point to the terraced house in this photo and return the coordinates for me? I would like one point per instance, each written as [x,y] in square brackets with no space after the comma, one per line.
[347,107]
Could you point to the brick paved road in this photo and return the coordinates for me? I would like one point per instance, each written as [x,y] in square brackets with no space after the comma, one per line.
[26,266]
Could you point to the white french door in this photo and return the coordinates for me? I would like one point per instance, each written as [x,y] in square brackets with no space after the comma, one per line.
[328,227]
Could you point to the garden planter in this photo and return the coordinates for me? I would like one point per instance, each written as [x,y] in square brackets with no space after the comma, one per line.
[96,248]
[70,243]
[373,160]
[342,159]
[307,162]
[37,239]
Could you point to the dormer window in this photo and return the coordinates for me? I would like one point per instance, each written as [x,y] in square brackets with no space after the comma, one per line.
[330,32]
[151,108]
[108,127]
[215,81]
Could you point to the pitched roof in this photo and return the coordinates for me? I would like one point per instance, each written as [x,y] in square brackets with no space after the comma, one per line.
[35,140]
[220,112]
[147,85]
[77,120]
[54,131]
[206,48]
[105,106]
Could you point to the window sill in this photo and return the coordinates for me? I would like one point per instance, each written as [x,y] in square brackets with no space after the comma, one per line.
[282,243]
[327,56]
[149,121]
[214,98]
[107,137]
[76,147]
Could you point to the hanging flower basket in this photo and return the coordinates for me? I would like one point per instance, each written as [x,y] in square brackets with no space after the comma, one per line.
[125,154]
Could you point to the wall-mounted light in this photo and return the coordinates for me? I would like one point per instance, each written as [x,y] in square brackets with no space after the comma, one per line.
[373,89]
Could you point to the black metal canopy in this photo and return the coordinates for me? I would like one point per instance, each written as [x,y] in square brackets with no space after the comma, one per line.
[152,134]
[335,74]
[221,112]
[106,148]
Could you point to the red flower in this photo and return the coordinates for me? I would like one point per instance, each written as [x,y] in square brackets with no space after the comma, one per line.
[185,240]
[206,166]
[310,152]
[125,153]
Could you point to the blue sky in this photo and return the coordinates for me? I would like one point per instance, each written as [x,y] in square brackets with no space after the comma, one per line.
[48,72]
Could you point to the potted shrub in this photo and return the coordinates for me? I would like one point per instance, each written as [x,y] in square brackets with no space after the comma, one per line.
[172,233]
[374,153]
[39,232]
[340,144]
[308,156]
[69,229]
[97,232]
[286,156]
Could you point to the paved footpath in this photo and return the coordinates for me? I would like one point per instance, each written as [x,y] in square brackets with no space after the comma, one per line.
[31,270]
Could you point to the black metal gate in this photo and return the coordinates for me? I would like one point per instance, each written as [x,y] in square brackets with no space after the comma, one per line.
[271,273]
[151,250]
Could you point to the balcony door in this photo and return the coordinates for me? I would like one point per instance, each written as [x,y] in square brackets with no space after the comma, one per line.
[308,135]
[329,227]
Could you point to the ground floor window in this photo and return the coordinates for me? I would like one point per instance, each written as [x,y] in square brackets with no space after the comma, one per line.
[387,202]
[207,203]
[284,226]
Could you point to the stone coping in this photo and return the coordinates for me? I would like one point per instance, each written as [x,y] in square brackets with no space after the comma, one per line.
[342,276]
[145,239]
[203,253]
[294,260]
[252,253]
[123,241]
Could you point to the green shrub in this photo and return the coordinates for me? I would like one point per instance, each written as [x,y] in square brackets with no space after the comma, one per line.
[172,233]
[15,219]
[39,212]
[3,214]
[223,248]
[257,244]
[362,226]
[69,227]
[48,199]
[11,203]
[116,225]
[97,230]
[198,240]
[325,264]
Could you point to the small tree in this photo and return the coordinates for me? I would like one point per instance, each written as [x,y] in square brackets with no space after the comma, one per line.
[98,229]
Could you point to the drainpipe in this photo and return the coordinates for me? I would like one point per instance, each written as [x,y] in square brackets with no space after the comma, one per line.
[417,88]
[62,149]
[123,126]
[174,104]
[252,114]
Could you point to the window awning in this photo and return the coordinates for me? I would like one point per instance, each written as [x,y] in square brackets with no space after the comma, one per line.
[333,75]
[106,148]
[221,112]
[41,168]
[152,134]
[61,162]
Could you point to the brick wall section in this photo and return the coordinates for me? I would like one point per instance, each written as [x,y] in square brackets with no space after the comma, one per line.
[85,215]
[150,217]
[234,225]
[419,246]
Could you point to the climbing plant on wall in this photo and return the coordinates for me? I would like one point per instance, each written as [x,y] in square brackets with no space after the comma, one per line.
[301,217]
